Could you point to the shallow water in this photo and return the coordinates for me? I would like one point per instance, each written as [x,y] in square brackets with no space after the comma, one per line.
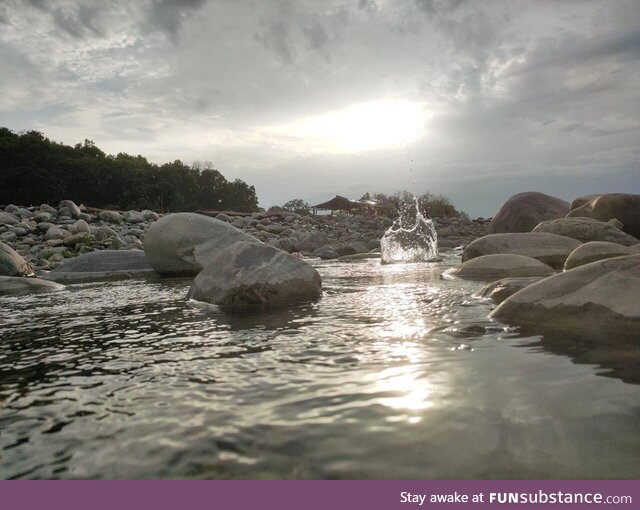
[394,373]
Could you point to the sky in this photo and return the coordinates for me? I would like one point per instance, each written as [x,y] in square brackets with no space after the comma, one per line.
[313,98]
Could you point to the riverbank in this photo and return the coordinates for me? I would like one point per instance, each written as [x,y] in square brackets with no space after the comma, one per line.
[45,236]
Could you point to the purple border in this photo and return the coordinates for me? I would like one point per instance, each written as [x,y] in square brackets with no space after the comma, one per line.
[308,495]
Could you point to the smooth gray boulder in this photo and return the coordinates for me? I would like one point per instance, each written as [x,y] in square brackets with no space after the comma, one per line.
[498,266]
[599,300]
[550,249]
[500,290]
[525,210]
[134,217]
[7,218]
[183,243]
[111,216]
[624,207]
[71,206]
[250,275]
[595,250]
[103,265]
[12,263]
[586,229]
[18,285]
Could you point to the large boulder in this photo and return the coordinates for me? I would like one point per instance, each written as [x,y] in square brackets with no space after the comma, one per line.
[550,249]
[595,250]
[17,285]
[12,264]
[600,300]
[183,243]
[525,210]
[249,275]
[500,290]
[103,265]
[622,206]
[498,266]
[587,229]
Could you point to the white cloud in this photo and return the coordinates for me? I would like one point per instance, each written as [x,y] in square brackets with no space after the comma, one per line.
[536,95]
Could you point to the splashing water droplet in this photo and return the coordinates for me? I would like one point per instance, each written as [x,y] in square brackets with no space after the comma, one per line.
[411,238]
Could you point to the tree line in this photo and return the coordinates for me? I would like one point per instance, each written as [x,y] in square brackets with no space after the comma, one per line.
[36,170]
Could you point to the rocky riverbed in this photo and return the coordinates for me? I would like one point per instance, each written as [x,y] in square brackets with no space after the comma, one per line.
[45,236]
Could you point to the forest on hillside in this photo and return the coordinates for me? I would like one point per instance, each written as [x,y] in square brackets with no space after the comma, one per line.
[36,170]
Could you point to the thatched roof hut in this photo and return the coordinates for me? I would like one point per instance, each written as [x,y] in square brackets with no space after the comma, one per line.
[339,203]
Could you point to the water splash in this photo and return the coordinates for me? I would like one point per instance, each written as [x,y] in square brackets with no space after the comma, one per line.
[411,238]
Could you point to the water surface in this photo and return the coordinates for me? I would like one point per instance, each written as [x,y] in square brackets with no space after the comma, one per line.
[394,373]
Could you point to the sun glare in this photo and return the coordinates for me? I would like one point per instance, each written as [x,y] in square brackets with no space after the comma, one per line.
[360,127]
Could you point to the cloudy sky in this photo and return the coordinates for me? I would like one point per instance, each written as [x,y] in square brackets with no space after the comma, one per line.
[312,98]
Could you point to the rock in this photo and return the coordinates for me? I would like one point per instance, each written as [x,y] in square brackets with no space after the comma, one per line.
[102,233]
[22,212]
[43,217]
[8,237]
[586,229]
[12,264]
[150,215]
[183,243]
[312,241]
[622,206]
[595,250]
[525,210]
[103,265]
[249,275]
[80,226]
[7,218]
[500,290]
[580,201]
[283,243]
[326,252]
[616,223]
[55,233]
[359,256]
[223,217]
[498,266]
[71,206]
[134,217]
[360,247]
[79,238]
[48,209]
[111,216]
[598,300]
[17,285]
[550,249]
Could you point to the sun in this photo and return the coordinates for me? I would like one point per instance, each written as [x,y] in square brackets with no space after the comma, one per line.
[360,127]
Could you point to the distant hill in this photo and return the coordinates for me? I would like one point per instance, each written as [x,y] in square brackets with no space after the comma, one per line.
[35,170]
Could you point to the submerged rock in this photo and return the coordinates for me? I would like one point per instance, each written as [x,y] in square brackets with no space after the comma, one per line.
[595,250]
[12,263]
[600,299]
[500,290]
[183,243]
[587,229]
[550,249]
[522,212]
[18,285]
[249,275]
[498,266]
